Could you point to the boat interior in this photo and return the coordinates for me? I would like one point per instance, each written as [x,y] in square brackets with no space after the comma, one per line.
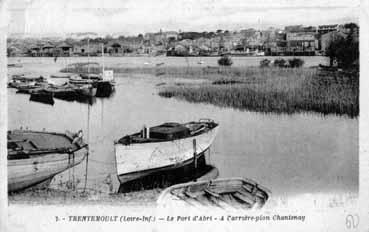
[223,194]
[22,144]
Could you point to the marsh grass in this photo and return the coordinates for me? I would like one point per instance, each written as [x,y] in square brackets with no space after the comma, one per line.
[268,89]
[278,90]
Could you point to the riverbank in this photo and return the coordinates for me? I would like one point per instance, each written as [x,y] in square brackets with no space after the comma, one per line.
[54,196]
[279,90]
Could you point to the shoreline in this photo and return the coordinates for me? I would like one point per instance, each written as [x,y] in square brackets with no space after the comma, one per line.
[56,197]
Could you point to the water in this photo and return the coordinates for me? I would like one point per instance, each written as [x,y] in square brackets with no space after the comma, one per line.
[289,154]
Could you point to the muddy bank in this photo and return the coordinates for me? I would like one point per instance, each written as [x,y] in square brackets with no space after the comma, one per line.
[53,196]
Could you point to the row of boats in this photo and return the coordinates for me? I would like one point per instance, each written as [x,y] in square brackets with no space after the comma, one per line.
[35,157]
[78,85]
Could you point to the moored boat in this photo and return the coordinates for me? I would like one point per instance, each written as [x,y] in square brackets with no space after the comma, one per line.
[61,91]
[224,194]
[19,81]
[15,65]
[26,88]
[88,90]
[78,80]
[28,78]
[35,157]
[90,76]
[162,148]
[60,75]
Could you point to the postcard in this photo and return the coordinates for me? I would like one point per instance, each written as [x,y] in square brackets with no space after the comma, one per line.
[184,115]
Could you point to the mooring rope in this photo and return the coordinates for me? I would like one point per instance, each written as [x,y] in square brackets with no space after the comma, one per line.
[88,142]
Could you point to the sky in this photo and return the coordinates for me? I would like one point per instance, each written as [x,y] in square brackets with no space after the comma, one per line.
[131,17]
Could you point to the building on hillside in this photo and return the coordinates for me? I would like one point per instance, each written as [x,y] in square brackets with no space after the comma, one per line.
[48,49]
[87,49]
[35,50]
[13,50]
[323,29]
[301,43]
[64,49]
[300,28]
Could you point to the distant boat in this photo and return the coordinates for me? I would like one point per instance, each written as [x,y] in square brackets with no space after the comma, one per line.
[35,157]
[91,76]
[22,81]
[60,76]
[88,90]
[41,95]
[162,148]
[160,64]
[224,194]
[26,78]
[78,80]
[25,87]
[15,65]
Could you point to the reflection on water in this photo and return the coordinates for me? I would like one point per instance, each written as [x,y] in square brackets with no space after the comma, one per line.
[289,154]
[164,179]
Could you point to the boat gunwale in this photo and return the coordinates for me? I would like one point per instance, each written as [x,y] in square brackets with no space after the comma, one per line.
[33,157]
[153,140]
[47,151]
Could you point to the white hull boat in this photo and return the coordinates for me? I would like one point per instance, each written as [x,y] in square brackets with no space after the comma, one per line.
[165,147]
[35,157]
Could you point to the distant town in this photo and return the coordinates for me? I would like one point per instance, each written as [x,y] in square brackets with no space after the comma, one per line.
[296,40]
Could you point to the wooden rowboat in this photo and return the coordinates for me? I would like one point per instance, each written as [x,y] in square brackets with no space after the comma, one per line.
[35,157]
[224,194]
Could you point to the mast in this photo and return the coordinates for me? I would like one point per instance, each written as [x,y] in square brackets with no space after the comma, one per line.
[102,54]
[88,57]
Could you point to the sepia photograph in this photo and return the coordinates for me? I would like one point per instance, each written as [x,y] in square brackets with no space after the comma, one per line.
[153,115]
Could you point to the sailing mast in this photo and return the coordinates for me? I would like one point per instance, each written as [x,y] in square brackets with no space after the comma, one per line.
[102,54]
[88,58]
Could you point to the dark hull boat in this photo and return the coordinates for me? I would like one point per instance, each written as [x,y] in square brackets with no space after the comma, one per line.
[87,90]
[103,84]
[40,95]
[35,157]
[105,88]
[42,98]
[162,148]
[224,194]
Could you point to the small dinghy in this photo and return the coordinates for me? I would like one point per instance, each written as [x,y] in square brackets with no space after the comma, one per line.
[224,194]
[163,148]
[35,157]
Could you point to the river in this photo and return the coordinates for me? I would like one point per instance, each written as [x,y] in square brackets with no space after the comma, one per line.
[289,154]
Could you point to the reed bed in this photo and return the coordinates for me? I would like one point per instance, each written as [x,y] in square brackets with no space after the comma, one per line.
[278,90]
[269,89]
